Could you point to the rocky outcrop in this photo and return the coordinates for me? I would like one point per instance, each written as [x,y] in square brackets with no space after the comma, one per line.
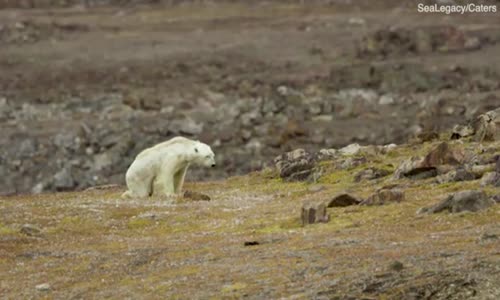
[471,200]
[442,155]
[385,196]
[342,200]
[314,213]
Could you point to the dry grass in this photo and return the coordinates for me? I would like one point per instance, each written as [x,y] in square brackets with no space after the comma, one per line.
[96,245]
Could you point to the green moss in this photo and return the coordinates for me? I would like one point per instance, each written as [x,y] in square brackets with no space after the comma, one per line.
[4,230]
[139,223]
[238,286]
[77,225]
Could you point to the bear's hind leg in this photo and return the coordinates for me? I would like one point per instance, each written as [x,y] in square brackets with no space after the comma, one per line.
[138,188]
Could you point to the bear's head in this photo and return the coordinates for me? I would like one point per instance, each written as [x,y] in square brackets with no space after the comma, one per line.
[203,155]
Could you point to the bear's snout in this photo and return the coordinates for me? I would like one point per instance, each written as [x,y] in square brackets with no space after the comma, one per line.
[213,165]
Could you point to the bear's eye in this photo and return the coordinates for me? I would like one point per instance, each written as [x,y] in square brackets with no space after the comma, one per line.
[208,156]
[196,150]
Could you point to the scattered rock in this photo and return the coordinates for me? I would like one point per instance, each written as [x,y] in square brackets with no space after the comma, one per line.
[370,174]
[444,154]
[326,154]
[43,287]
[314,213]
[396,266]
[417,168]
[342,200]
[385,196]
[470,200]
[297,165]
[490,178]
[351,149]
[460,174]
[461,131]
[195,196]
[487,126]
[251,243]
[63,180]
[30,230]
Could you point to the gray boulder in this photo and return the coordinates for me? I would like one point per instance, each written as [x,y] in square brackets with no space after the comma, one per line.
[471,200]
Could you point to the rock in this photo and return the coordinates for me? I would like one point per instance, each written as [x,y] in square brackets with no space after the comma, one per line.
[351,149]
[461,131]
[186,126]
[63,180]
[411,168]
[487,126]
[417,168]
[297,165]
[396,266]
[343,200]
[326,154]
[456,175]
[43,287]
[444,154]
[196,196]
[351,162]
[314,213]
[385,196]
[386,99]
[490,178]
[370,174]
[30,230]
[470,200]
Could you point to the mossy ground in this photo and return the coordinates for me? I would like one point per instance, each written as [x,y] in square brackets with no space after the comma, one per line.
[95,245]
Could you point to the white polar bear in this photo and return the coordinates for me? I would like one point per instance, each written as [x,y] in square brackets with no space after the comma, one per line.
[160,170]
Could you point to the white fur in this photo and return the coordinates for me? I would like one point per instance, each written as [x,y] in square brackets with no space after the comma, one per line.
[161,169]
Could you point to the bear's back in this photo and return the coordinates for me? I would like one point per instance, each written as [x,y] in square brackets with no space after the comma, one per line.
[164,145]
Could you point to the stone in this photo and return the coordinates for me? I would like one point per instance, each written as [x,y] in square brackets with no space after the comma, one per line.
[490,178]
[461,131]
[326,154]
[43,287]
[370,174]
[385,196]
[351,149]
[456,175]
[396,266]
[444,154]
[421,168]
[196,196]
[411,168]
[297,165]
[186,126]
[314,213]
[63,180]
[343,200]
[487,126]
[386,99]
[30,230]
[469,200]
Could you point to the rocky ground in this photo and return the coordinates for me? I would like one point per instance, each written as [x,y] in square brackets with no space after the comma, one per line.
[84,88]
[415,221]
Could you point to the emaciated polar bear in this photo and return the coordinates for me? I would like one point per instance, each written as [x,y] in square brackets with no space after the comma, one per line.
[160,170]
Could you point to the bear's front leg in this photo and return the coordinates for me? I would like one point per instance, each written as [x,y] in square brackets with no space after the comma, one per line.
[163,184]
[179,179]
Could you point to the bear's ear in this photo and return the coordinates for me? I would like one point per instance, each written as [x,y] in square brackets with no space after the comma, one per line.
[196,150]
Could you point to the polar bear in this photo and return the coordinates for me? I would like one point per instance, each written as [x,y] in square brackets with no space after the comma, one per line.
[161,169]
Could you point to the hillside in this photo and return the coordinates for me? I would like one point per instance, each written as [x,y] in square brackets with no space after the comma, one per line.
[248,240]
